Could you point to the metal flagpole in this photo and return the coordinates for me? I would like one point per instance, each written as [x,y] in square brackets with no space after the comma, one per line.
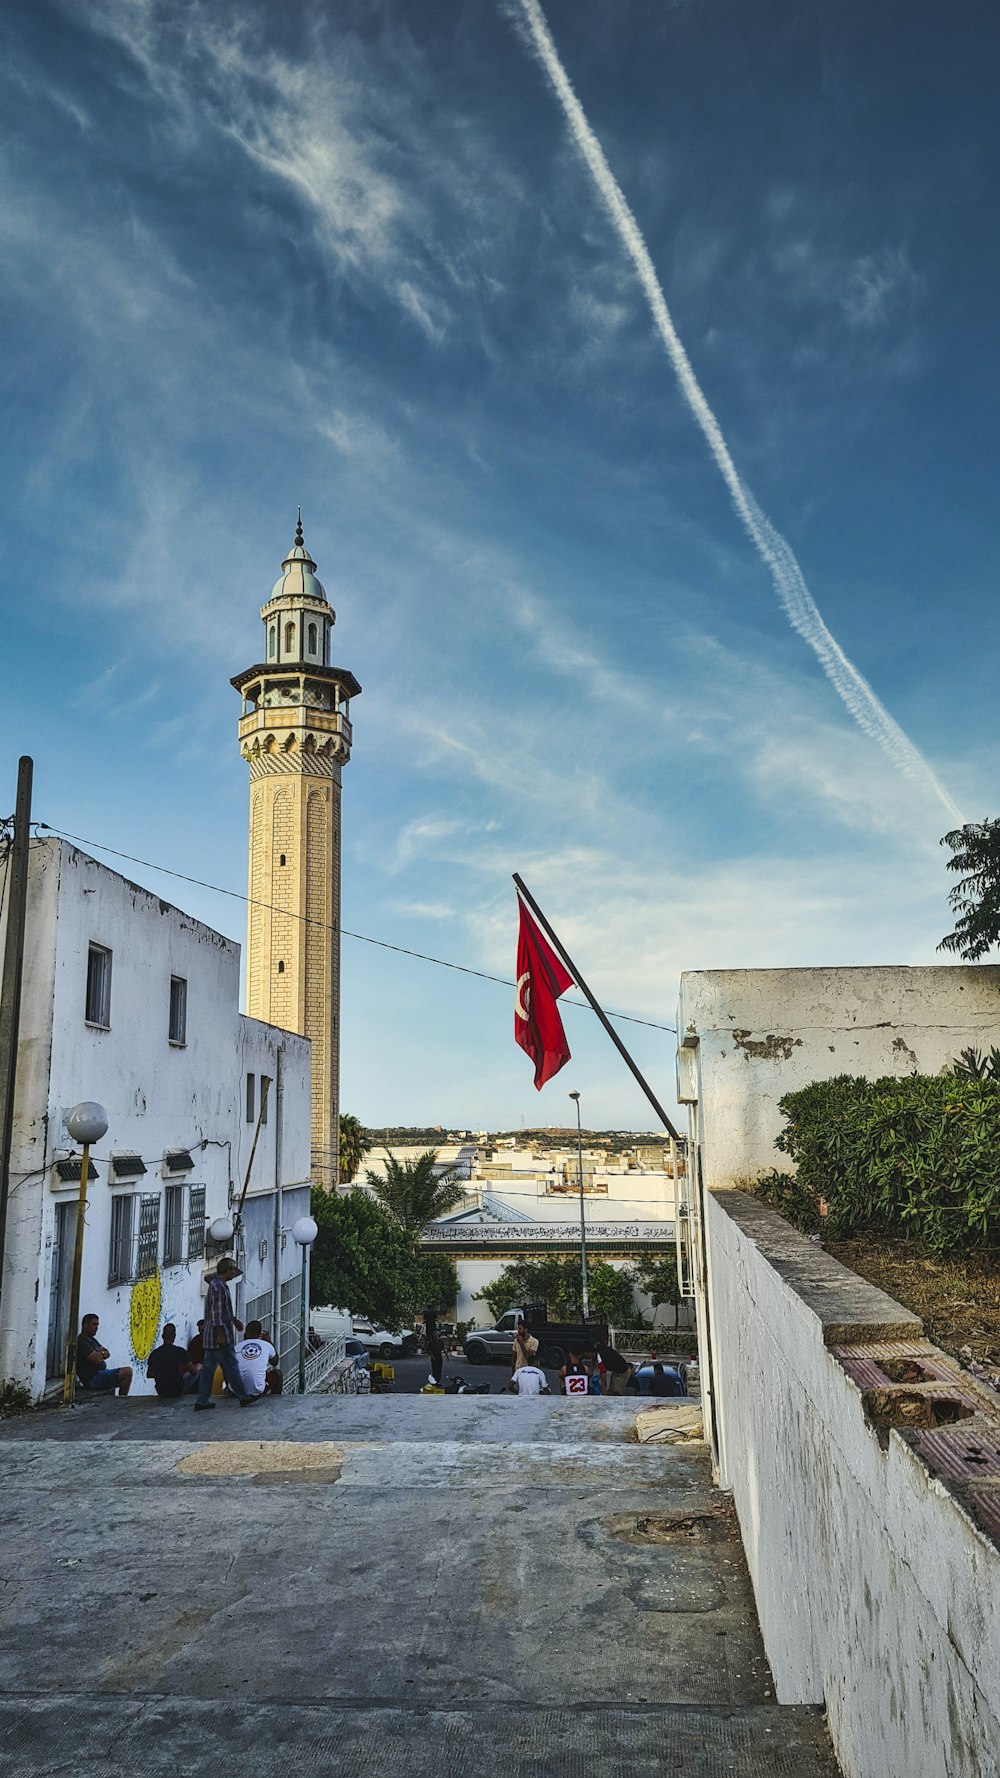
[602,1015]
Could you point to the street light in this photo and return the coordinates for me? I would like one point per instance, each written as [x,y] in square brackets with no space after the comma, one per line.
[583,1226]
[304,1231]
[86,1123]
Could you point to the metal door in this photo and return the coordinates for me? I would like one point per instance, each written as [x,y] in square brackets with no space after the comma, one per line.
[63,1242]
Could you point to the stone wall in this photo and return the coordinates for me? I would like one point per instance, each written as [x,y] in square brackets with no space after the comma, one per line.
[870,1516]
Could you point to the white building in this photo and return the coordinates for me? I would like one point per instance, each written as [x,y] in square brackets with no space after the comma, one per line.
[127,1001]
[523,1203]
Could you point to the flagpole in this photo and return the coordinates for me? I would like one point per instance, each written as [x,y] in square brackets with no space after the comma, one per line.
[599,1010]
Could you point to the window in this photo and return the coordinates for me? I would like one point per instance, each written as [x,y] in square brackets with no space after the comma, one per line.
[173,1225]
[120,1259]
[99,987]
[312,638]
[251,1098]
[149,1236]
[289,638]
[281,966]
[177,1028]
[265,1087]
[281,858]
[196,1222]
[271,641]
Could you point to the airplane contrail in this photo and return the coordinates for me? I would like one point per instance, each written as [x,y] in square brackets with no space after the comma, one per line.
[775,551]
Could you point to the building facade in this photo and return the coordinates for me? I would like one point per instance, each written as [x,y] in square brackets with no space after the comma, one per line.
[295,735]
[127,1001]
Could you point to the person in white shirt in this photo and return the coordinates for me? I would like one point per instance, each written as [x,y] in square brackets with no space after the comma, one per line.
[258,1362]
[528,1380]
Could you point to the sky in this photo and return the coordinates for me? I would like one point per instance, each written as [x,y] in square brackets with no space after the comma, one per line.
[355,258]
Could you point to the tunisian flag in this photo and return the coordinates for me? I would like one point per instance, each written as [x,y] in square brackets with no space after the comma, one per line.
[541,978]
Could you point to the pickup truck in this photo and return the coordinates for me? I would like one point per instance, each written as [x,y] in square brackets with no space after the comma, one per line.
[555,1339]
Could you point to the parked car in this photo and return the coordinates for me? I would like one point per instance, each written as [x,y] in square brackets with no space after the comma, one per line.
[330,1323]
[382,1341]
[359,1352]
[676,1379]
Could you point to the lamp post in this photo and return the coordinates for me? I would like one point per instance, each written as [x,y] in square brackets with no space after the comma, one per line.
[86,1123]
[304,1231]
[583,1226]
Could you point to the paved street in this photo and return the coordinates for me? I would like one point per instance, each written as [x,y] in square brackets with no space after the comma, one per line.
[406,1587]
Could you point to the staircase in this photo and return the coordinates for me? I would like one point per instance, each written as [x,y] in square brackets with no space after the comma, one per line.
[400,1587]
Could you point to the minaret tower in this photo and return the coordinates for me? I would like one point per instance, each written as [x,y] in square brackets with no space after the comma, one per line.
[295,734]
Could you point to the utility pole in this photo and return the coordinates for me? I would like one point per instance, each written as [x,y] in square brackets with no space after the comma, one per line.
[583,1220]
[10,982]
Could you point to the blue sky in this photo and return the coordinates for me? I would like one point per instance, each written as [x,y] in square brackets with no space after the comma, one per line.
[350,257]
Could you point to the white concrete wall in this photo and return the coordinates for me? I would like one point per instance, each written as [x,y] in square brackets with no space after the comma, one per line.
[158,1097]
[877,1594]
[756,1034]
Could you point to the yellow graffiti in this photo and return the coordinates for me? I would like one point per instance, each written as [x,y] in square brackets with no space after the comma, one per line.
[144,1315]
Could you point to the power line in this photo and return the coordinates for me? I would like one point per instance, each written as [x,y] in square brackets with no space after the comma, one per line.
[307,919]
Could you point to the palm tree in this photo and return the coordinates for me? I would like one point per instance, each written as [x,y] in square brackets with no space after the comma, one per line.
[415,1192]
[354,1145]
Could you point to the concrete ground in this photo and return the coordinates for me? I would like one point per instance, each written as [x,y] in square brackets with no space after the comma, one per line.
[401,1586]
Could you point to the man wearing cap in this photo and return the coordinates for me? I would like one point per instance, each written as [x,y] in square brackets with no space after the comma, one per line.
[220,1338]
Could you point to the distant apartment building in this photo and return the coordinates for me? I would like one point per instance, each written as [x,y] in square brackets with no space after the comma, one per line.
[130,1002]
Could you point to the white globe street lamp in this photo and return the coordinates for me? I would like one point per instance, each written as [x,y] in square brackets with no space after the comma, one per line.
[304,1231]
[86,1124]
[222,1228]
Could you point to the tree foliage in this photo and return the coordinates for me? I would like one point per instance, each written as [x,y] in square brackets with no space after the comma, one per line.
[366,1263]
[362,1261]
[916,1156]
[354,1145]
[414,1192]
[435,1284]
[976,897]
[657,1279]
[557,1284]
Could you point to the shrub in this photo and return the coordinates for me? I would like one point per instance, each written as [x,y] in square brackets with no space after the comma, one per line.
[918,1156]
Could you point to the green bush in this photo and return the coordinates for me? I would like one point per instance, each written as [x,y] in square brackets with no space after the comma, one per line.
[916,1156]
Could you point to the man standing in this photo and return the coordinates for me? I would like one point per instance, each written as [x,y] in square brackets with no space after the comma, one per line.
[92,1368]
[258,1362]
[170,1366]
[618,1369]
[220,1338]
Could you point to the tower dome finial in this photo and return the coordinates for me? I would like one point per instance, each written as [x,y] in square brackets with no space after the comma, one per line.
[300,540]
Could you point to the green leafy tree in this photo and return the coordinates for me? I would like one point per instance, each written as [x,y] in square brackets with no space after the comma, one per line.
[362,1260]
[414,1192]
[435,1284]
[557,1283]
[657,1279]
[354,1145]
[976,898]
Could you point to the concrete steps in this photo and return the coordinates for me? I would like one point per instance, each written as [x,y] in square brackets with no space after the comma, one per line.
[413,1587]
[115,1737]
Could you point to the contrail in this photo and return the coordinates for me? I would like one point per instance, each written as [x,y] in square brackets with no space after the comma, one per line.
[776,552]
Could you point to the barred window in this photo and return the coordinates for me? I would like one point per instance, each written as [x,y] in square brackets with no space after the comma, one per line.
[173,1225]
[196,1222]
[149,1236]
[122,1221]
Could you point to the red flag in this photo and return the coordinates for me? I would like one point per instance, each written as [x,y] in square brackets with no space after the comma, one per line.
[541,978]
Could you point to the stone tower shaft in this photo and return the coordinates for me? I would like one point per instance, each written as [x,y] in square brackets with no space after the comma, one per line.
[295,734]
